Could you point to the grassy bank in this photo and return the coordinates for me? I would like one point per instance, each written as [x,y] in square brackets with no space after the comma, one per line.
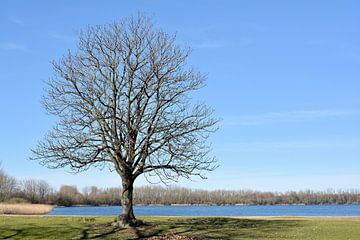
[25,209]
[46,227]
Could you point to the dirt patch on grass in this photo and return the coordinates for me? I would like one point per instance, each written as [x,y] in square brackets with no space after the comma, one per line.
[175,237]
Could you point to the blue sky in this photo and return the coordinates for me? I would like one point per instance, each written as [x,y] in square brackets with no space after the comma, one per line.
[283,75]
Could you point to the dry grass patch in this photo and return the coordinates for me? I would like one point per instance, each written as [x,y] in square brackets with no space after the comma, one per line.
[27,209]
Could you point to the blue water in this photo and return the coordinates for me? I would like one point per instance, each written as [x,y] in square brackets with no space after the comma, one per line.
[276,210]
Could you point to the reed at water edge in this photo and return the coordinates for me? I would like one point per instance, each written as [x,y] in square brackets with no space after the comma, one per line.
[25,208]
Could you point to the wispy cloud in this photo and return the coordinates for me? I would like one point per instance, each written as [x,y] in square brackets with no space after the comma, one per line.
[62,37]
[318,144]
[347,47]
[211,44]
[327,43]
[214,44]
[12,46]
[289,116]
[16,20]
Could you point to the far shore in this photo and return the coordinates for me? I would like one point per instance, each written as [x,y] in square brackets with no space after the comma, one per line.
[205,205]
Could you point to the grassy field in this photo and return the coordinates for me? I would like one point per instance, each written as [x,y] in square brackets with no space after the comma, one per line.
[46,227]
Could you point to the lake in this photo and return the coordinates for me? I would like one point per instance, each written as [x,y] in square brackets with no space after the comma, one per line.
[273,210]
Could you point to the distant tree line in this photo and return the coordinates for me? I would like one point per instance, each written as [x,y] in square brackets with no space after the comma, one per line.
[39,191]
[148,195]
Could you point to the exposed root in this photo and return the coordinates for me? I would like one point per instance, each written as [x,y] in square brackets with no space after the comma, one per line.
[124,222]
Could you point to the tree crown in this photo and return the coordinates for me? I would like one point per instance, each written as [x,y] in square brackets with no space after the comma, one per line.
[123,101]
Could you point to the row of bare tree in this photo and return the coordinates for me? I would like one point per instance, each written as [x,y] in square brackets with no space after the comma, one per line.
[178,195]
[39,191]
[30,190]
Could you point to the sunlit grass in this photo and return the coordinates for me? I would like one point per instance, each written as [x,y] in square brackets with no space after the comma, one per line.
[25,208]
[56,227]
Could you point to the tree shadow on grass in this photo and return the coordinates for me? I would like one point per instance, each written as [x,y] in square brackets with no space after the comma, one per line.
[101,231]
[31,231]
[206,228]
[229,228]
[97,231]
[202,227]
[12,235]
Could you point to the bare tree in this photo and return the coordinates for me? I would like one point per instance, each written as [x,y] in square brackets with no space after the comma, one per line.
[44,191]
[7,185]
[123,101]
[68,195]
[29,188]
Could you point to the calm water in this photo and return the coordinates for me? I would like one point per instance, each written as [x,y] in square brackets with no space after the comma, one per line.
[278,210]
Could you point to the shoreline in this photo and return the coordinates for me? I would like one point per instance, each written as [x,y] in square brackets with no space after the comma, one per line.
[207,205]
[356,218]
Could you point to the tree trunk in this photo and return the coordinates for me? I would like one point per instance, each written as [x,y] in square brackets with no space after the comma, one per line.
[127,217]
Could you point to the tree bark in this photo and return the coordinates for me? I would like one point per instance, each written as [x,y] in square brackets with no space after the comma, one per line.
[127,217]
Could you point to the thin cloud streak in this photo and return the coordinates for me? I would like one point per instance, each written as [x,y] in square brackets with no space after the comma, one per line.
[15,20]
[208,44]
[11,46]
[347,47]
[284,146]
[215,44]
[62,37]
[290,116]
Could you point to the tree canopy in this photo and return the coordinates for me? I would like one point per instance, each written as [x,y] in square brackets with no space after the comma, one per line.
[123,101]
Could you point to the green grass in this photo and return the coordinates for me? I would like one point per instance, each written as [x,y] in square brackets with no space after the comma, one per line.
[46,227]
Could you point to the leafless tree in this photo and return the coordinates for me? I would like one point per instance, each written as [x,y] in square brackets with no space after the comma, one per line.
[68,195]
[29,188]
[123,100]
[7,185]
[36,191]
[44,191]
